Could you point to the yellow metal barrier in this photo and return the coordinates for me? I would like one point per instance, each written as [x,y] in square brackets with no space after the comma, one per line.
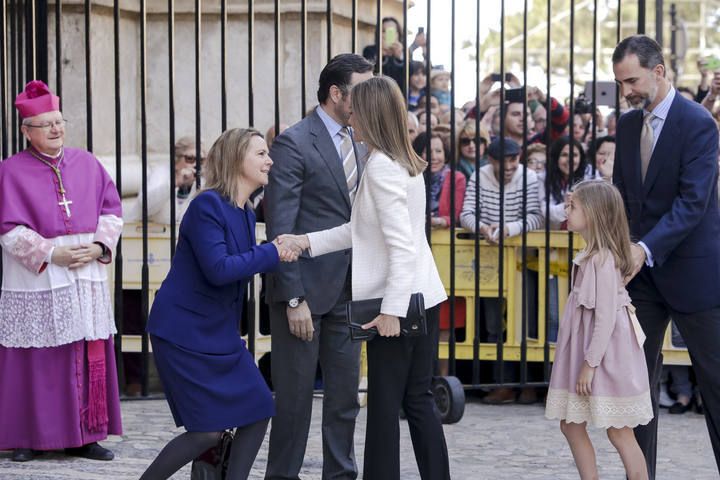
[159,264]
[158,267]
[512,289]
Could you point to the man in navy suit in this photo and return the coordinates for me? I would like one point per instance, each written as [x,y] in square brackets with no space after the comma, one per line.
[666,168]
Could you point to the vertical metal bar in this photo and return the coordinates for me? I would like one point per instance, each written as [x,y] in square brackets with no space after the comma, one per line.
[354,26]
[118,294]
[223,66]
[145,272]
[4,96]
[641,16]
[328,23]
[21,45]
[428,123]
[406,56]
[303,57]
[571,125]
[171,124]
[14,80]
[524,273]
[251,62]
[453,168]
[594,88]
[548,138]
[41,40]
[277,65]
[617,40]
[198,89]
[88,77]
[476,173]
[673,38]
[378,38]
[58,49]
[248,315]
[659,21]
[501,253]
[30,40]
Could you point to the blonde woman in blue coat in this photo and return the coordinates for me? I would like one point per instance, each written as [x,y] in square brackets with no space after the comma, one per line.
[211,381]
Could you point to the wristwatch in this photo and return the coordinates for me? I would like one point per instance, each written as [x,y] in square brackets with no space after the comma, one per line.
[295,302]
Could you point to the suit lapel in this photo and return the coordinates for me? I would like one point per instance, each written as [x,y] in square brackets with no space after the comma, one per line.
[664,145]
[326,148]
[634,179]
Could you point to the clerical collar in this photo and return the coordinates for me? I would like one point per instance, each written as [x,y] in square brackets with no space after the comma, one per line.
[50,158]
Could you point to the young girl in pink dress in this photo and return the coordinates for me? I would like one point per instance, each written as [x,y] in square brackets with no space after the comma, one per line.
[600,376]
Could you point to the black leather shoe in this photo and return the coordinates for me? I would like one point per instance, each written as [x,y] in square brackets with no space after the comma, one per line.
[678,408]
[92,451]
[23,455]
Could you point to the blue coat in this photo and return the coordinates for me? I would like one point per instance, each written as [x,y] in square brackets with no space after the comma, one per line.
[675,211]
[210,379]
[200,302]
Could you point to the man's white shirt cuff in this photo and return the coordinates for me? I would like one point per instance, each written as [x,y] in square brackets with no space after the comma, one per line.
[648,255]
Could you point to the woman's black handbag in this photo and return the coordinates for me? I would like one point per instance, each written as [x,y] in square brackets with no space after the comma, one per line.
[213,464]
[361,312]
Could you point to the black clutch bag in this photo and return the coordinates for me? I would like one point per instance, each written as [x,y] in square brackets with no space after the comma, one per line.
[364,311]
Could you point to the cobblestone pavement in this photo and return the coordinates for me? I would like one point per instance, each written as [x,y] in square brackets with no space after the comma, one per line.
[489,443]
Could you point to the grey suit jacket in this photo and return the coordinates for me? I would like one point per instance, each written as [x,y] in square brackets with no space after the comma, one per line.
[308,192]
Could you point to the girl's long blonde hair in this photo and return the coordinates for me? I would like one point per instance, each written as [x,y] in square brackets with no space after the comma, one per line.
[380,114]
[607,225]
[224,163]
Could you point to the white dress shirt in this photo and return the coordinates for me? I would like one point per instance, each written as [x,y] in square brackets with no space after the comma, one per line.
[660,113]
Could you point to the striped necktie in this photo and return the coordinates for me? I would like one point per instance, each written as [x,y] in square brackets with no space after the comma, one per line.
[347,153]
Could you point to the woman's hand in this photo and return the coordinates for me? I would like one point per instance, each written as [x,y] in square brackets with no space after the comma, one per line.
[438,222]
[185,177]
[584,381]
[291,246]
[387,325]
[494,234]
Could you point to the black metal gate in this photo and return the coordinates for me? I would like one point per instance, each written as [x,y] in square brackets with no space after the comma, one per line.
[36,34]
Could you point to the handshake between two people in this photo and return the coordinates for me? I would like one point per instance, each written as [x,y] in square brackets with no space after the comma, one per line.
[290,247]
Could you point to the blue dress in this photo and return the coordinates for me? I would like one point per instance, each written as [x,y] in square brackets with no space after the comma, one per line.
[211,381]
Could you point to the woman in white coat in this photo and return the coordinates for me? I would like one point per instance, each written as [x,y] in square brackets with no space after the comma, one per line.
[391,260]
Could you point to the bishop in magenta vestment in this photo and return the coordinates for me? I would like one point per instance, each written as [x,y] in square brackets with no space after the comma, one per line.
[58,381]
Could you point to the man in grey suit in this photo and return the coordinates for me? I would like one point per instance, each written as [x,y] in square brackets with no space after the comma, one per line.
[315,175]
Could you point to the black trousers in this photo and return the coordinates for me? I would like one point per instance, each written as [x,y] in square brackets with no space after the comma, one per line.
[701,332]
[400,374]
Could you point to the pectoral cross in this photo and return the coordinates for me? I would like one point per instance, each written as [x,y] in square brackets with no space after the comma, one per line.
[56,170]
[65,203]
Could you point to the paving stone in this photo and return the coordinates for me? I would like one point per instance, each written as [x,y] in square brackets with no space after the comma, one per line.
[490,442]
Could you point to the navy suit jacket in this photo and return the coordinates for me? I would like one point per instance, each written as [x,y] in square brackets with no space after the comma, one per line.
[200,302]
[675,211]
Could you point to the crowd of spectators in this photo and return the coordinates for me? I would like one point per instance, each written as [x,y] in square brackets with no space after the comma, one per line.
[514,134]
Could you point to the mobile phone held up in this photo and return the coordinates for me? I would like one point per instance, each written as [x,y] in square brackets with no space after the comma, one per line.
[496,77]
[390,36]
[712,64]
[515,95]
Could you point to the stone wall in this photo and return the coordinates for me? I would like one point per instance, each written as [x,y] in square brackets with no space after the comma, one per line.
[157,99]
